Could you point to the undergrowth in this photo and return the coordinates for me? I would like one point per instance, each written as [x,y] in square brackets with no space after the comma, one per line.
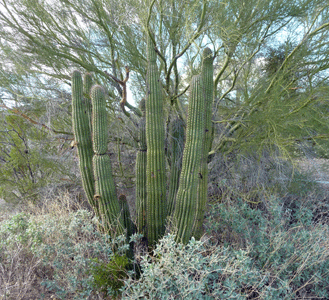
[276,249]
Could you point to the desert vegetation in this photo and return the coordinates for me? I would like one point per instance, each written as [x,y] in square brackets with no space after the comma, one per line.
[164,150]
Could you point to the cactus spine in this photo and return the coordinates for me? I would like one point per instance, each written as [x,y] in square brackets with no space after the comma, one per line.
[141,158]
[155,134]
[186,199]
[207,74]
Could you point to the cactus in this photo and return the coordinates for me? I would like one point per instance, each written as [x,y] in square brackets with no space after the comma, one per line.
[87,85]
[207,74]
[186,199]
[105,191]
[82,136]
[125,213]
[187,196]
[141,173]
[176,145]
[155,135]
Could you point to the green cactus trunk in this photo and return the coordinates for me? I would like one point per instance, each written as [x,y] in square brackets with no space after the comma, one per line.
[186,200]
[155,136]
[82,136]
[176,146]
[87,85]
[125,213]
[208,84]
[141,162]
[105,191]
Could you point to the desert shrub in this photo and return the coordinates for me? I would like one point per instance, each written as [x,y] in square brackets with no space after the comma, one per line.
[198,271]
[258,255]
[63,249]
[248,175]
[109,277]
[281,241]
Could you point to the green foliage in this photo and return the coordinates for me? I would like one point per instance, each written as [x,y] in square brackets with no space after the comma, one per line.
[109,277]
[275,251]
[250,254]
[28,160]
[197,271]
[67,245]
[282,240]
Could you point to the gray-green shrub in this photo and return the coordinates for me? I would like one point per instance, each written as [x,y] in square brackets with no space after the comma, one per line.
[66,245]
[281,241]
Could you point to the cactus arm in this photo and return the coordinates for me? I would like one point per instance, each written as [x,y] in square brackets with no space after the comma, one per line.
[207,74]
[124,209]
[82,135]
[186,199]
[155,136]
[176,145]
[87,85]
[141,160]
[105,191]
[136,110]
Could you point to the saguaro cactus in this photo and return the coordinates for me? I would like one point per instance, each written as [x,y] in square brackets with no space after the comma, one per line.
[155,135]
[95,165]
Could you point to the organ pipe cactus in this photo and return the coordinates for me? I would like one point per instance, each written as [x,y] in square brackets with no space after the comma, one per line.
[105,191]
[82,137]
[176,146]
[87,85]
[187,196]
[186,199]
[207,74]
[141,158]
[155,136]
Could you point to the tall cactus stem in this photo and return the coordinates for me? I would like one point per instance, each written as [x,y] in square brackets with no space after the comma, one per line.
[141,161]
[105,191]
[125,213]
[82,136]
[87,85]
[186,200]
[207,74]
[155,136]
[176,146]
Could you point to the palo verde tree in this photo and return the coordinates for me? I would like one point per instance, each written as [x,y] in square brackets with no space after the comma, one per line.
[52,39]
[252,109]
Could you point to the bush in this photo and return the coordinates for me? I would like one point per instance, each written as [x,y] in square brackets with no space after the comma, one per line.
[197,271]
[283,242]
[109,277]
[55,254]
